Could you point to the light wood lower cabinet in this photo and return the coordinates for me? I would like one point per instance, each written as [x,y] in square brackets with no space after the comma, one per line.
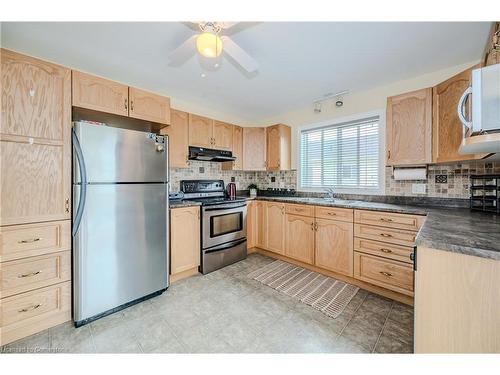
[261,220]
[251,225]
[275,228]
[299,240]
[31,312]
[457,303]
[23,275]
[184,241]
[334,246]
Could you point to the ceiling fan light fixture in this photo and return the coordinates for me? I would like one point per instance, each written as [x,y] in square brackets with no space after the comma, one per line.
[209,44]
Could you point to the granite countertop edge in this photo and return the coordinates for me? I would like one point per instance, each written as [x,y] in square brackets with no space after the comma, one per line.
[459,230]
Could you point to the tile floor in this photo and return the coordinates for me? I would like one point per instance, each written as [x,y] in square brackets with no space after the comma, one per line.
[227,312]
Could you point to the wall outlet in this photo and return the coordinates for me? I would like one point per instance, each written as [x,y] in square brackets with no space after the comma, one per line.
[418,188]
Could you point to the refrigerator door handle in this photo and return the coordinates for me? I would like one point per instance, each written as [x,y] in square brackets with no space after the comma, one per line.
[83,184]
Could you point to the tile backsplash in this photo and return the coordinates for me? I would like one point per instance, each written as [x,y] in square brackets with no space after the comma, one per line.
[454,185]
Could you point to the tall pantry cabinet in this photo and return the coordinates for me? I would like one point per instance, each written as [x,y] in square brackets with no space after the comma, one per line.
[35,196]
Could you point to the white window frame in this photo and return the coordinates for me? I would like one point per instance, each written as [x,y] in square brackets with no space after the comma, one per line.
[380,190]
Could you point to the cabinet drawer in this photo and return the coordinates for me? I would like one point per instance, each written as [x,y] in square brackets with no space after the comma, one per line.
[41,303]
[383,249]
[387,273]
[20,241]
[342,214]
[299,209]
[19,276]
[396,236]
[399,221]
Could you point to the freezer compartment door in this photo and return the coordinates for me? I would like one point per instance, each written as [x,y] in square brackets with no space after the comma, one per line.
[120,247]
[120,155]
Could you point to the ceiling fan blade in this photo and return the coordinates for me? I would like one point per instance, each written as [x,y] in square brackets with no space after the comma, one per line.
[227,25]
[239,55]
[193,25]
[183,52]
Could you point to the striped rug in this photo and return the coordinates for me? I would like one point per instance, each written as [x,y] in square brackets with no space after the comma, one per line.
[324,293]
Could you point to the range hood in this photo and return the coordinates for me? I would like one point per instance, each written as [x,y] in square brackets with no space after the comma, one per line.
[207,154]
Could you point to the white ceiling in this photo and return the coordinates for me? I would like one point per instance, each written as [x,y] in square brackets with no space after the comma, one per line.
[299,62]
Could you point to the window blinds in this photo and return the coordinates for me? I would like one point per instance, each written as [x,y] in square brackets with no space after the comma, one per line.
[341,156]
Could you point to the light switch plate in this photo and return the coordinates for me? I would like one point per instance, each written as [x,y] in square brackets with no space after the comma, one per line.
[418,188]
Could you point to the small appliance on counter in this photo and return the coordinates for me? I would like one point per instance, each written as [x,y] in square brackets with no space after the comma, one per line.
[223,223]
[231,190]
[485,193]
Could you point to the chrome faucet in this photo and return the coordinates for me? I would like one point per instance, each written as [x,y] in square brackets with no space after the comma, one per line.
[330,193]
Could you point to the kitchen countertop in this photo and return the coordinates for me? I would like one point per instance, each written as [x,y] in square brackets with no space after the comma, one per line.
[457,230]
[183,203]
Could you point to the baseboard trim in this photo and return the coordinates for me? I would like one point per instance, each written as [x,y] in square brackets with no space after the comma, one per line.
[184,274]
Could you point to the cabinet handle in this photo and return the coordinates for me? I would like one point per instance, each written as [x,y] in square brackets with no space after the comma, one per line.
[386,235]
[30,240]
[312,226]
[126,103]
[332,214]
[387,251]
[34,307]
[316,227]
[386,273]
[31,274]
[388,154]
[66,205]
[131,105]
[386,219]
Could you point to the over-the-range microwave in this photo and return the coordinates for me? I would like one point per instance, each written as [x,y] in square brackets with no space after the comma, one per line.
[485,94]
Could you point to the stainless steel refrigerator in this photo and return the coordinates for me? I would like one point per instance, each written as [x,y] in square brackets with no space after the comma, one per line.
[120,218]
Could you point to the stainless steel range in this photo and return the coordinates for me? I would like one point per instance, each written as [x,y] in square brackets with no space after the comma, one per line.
[224,223]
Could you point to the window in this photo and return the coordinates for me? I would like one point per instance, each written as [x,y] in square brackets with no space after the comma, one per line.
[341,156]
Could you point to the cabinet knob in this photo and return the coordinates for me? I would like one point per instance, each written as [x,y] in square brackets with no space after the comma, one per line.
[386,235]
[387,251]
[34,307]
[131,105]
[66,205]
[126,103]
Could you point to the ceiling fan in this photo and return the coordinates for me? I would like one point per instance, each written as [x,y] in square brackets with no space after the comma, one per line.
[211,41]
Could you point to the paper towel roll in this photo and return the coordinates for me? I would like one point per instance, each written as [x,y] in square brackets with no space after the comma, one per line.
[410,173]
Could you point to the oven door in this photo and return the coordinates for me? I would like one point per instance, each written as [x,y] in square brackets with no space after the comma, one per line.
[223,223]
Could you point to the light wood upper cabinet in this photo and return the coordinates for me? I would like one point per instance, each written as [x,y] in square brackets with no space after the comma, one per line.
[200,131]
[447,130]
[222,136]
[334,246]
[99,94]
[254,149]
[178,139]
[36,97]
[278,147]
[184,246]
[275,228]
[409,128]
[35,149]
[237,150]
[148,106]
[299,239]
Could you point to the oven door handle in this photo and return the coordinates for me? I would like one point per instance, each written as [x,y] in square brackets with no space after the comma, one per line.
[221,207]
[225,246]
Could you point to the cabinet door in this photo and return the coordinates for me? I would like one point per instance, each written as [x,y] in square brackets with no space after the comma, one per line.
[409,128]
[222,136]
[251,225]
[334,246]
[99,94]
[299,240]
[178,139]
[184,239]
[275,216]
[35,148]
[254,149]
[200,131]
[148,106]
[36,98]
[261,220]
[447,130]
[278,147]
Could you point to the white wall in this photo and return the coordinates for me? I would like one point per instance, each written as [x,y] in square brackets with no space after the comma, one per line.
[362,102]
